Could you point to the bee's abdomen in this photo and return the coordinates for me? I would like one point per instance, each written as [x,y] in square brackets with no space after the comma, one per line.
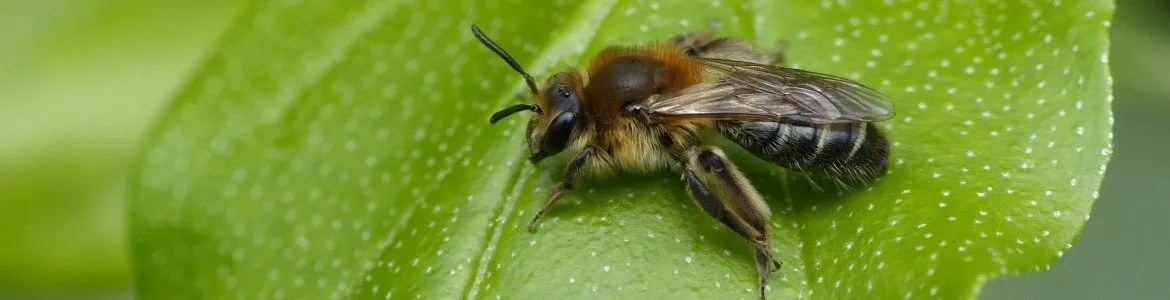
[856,151]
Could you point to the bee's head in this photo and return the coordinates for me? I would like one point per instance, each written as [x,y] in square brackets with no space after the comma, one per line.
[558,107]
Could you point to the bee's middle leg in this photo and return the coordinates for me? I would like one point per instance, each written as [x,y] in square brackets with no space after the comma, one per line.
[748,214]
[695,39]
[693,43]
[572,174]
[781,54]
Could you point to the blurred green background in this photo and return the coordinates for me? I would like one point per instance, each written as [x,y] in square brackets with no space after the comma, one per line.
[81,81]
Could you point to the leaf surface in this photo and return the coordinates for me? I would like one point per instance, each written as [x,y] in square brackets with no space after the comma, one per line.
[341,149]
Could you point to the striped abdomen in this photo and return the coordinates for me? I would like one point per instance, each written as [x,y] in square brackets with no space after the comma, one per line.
[855,151]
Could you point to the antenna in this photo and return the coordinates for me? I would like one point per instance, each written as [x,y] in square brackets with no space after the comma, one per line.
[503,113]
[504,55]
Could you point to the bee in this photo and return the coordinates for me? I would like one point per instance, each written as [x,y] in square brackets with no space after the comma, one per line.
[639,108]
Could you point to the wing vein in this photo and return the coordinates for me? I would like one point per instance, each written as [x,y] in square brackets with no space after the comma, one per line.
[744,90]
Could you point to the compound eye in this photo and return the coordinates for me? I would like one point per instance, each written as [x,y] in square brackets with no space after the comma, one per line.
[557,136]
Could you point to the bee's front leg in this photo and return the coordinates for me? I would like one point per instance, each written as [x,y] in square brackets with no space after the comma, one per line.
[572,173]
[710,166]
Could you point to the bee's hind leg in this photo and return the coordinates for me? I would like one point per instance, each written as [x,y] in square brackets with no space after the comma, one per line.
[572,174]
[741,193]
[747,214]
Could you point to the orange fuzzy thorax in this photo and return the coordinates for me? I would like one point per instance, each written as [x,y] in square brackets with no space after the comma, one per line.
[620,74]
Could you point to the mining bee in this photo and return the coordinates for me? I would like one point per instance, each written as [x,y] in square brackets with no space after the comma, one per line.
[635,109]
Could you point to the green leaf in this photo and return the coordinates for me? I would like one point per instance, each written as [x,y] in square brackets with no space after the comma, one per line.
[64,163]
[332,149]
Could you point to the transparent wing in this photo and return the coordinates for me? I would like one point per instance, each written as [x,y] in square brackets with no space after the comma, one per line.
[749,91]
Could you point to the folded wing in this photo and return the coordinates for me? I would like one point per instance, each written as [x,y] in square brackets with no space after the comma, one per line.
[749,91]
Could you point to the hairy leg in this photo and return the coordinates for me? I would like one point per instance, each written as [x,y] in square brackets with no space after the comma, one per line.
[572,172]
[743,210]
